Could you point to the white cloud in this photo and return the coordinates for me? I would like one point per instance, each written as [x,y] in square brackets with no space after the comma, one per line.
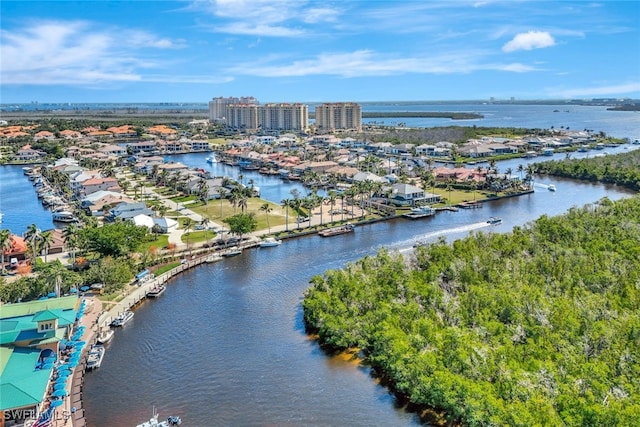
[78,53]
[283,18]
[362,63]
[606,91]
[529,40]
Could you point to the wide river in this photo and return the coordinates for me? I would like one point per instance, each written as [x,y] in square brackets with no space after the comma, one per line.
[225,345]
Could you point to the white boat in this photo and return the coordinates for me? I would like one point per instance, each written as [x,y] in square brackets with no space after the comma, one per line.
[270,242]
[1,214]
[94,359]
[551,187]
[211,159]
[213,258]
[153,421]
[232,251]
[64,216]
[105,336]
[123,319]
[494,220]
[156,291]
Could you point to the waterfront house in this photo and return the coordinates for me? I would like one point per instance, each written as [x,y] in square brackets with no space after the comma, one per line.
[410,195]
[96,184]
[112,150]
[198,145]
[95,204]
[143,146]
[28,154]
[367,176]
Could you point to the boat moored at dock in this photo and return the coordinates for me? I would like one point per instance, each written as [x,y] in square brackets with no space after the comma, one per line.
[334,231]
[94,359]
[64,216]
[105,336]
[270,242]
[420,212]
[122,319]
[232,251]
[156,291]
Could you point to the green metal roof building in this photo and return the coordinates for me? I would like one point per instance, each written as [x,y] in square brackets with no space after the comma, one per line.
[26,330]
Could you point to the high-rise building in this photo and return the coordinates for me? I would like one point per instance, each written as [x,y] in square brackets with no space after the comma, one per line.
[247,114]
[338,116]
[293,117]
[218,106]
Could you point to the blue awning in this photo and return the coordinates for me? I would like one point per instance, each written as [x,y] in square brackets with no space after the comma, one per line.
[142,274]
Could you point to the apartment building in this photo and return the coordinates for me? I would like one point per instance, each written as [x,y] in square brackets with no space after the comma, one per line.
[289,117]
[338,116]
[218,106]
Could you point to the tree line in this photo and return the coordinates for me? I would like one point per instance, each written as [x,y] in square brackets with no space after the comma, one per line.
[537,326]
[620,169]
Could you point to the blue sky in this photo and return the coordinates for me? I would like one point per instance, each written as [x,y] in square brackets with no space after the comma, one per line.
[311,51]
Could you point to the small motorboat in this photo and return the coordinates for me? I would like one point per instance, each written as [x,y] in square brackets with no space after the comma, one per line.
[270,242]
[232,251]
[105,336]
[153,421]
[123,319]
[94,359]
[494,220]
[551,187]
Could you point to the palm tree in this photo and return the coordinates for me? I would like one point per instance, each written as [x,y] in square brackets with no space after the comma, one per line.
[31,236]
[223,193]
[205,224]
[243,201]
[187,224]
[46,239]
[5,244]
[70,235]
[286,203]
[203,190]
[266,209]
[296,204]
[332,196]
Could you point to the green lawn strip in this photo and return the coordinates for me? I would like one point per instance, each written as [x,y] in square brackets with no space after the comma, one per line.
[161,242]
[164,268]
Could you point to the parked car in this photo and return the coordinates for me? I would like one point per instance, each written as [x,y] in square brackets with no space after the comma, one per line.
[302,219]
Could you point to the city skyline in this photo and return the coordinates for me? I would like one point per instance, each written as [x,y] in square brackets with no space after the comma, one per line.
[311,51]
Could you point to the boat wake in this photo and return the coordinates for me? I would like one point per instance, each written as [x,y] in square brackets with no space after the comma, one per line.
[408,245]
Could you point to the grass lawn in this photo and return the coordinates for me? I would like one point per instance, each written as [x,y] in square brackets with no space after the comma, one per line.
[198,236]
[217,211]
[165,268]
[159,243]
[219,141]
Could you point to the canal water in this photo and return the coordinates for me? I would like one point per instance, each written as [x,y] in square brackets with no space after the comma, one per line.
[225,345]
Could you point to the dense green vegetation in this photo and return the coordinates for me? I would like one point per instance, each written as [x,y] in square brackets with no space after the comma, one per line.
[621,169]
[540,326]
